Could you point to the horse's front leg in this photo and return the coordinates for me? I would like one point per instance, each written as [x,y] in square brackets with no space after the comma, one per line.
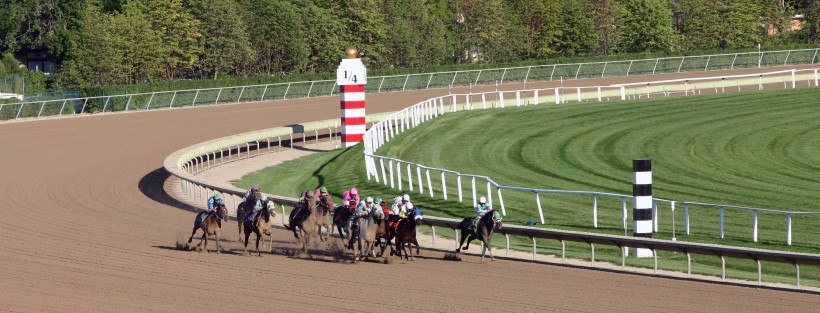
[218,251]
[270,237]
[258,237]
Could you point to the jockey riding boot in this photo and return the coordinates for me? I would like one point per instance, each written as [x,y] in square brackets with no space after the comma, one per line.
[473,224]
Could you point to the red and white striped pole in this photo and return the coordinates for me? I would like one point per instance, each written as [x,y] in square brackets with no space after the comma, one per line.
[352,79]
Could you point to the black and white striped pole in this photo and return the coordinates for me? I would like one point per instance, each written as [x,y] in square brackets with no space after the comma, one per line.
[642,202]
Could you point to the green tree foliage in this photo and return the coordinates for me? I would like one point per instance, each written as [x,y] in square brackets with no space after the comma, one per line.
[723,24]
[279,38]
[577,30]
[419,38]
[540,21]
[484,32]
[812,18]
[178,31]
[605,16]
[647,26]
[37,24]
[225,39]
[327,36]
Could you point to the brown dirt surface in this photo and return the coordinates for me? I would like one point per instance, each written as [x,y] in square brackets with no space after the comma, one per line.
[87,226]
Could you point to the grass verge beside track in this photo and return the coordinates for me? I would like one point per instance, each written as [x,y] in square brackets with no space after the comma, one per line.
[759,149]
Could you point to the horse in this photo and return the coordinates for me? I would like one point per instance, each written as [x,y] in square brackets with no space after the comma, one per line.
[241,211]
[261,225]
[484,232]
[323,206]
[303,220]
[381,230]
[364,230]
[342,214]
[405,233]
[211,225]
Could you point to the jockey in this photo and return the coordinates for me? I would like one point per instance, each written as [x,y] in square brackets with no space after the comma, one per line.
[480,210]
[378,201]
[361,210]
[406,209]
[214,202]
[305,196]
[250,192]
[399,204]
[256,208]
[322,191]
[351,195]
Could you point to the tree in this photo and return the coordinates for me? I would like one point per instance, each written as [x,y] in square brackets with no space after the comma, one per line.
[577,30]
[225,41]
[35,24]
[327,34]
[418,38]
[722,24]
[280,42]
[647,26]
[539,20]
[812,17]
[485,32]
[178,30]
[605,16]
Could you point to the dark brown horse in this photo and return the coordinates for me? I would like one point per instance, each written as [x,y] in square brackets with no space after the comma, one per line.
[211,226]
[484,232]
[405,233]
[242,211]
[261,224]
[341,214]
[381,230]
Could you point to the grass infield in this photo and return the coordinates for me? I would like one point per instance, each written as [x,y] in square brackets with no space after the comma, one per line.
[758,149]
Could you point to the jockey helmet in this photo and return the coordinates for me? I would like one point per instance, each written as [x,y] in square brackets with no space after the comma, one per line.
[323,189]
[482,200]
[354,191]
[405,197]
[255,188]
[369,200]
[264,198]
[409,205]
[217,196]
[378,200]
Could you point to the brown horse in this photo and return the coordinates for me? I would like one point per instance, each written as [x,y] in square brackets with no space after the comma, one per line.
[381,230]
[242,211]
[405,233]
[211,226]
[342,214]
[303,220]
[323,206]
[484,232]
[261,224]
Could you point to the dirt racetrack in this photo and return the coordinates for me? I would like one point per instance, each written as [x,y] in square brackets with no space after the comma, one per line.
[87,226]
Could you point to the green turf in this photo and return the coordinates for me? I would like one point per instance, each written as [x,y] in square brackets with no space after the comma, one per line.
[759,149]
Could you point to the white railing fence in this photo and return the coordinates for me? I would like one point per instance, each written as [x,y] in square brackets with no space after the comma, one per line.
[395,173]
[307,89]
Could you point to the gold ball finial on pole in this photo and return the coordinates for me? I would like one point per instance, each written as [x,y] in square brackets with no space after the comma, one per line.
[352,52]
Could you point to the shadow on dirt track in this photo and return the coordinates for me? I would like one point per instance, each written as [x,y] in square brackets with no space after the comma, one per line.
[151,185]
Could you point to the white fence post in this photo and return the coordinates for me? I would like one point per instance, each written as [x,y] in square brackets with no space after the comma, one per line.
[686,217]
[474,192]
[788,229]
[595,210]
[721,223]
[398,174]
[409,177]
[421,182]
[540,210]
[460,196]
[754,225]
[623,213]
[429,182]
[443,186]
[501,202]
